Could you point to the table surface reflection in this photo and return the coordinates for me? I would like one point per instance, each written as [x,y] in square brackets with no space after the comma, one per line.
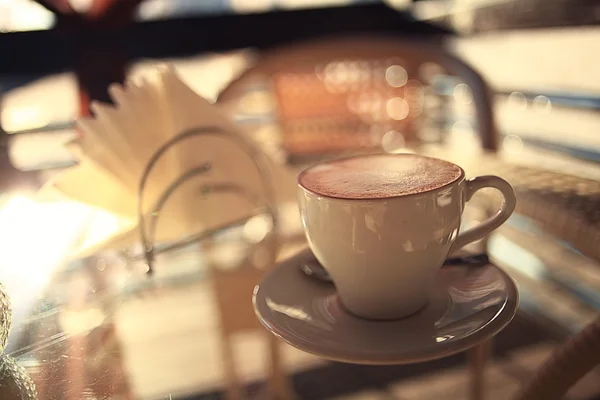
[103,329]
[98,328]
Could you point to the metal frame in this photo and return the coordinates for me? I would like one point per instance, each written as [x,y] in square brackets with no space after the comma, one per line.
[260,161]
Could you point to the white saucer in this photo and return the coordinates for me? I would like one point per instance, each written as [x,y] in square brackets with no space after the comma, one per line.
[468,305]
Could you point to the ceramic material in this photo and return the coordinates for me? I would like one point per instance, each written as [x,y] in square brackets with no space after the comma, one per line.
[468,305]
[383,254]
[316,270]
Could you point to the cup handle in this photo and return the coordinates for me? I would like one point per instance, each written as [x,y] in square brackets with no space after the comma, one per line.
[493,222]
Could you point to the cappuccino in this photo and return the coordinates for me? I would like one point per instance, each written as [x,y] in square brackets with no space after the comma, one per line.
[379,176]
[381,246]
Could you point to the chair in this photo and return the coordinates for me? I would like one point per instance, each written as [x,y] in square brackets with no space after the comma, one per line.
[567,364]
[346,93]
[349,94]
[233,285]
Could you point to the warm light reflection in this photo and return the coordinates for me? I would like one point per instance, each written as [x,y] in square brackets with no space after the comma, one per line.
[517,100]
[300,315]
[24,15]
[81,6]
[461,127]
[369,102]
[542,103]
[310,3]
[462,93]
[403,150]
[251,6]
[396,76]
[512,143]
[37,236]
[441,339]
[507,252]
[397,108]
[23,118]
[257,103]
[292,312]
[257,227]
[414,93]
[80,321]
[392,140]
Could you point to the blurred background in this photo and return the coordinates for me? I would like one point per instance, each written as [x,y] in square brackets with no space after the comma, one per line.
[508,87]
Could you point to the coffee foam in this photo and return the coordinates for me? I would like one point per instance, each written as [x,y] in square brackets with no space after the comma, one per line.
[378,176]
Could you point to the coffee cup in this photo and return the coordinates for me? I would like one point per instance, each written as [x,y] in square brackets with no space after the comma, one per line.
[382,226]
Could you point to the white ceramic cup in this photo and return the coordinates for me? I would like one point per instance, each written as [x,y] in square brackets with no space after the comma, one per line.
[383,253]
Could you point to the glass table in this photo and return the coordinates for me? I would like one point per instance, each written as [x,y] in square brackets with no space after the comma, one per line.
[98,328]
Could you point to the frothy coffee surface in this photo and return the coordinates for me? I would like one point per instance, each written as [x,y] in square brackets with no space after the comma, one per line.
[378,176]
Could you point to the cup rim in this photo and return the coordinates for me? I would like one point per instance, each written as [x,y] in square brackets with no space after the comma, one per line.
[460,178]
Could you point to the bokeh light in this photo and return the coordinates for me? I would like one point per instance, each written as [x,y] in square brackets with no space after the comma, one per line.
[396,76]
[397,108]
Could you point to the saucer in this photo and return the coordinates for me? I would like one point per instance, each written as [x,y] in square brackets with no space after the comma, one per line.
[467,305]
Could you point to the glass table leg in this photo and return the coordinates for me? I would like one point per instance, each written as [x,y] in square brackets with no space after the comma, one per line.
[477,358]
